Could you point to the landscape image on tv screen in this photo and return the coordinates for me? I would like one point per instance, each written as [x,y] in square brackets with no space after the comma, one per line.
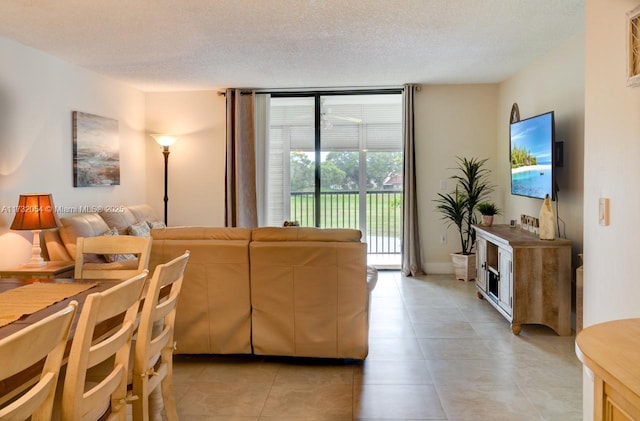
[531,156]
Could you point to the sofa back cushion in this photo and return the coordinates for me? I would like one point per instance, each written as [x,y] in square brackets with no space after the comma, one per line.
[122,217]
[119,218]
[201,233]
[81,225]
[143,213]
[61,244]
[306,234]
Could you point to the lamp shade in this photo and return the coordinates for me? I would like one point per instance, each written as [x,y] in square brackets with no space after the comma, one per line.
[164,139]
[35,212]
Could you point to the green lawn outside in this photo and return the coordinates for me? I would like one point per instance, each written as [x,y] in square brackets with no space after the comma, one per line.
[340,210]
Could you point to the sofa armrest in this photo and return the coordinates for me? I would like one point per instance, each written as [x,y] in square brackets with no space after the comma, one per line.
[372,278]
[54,246]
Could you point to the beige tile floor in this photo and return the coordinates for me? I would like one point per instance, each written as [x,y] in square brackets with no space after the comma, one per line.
[437,352]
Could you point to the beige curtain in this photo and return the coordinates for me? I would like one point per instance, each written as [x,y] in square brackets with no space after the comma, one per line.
[411,255]
[262,111]
[240,173]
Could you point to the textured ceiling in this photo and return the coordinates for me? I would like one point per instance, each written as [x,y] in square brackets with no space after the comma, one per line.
[168,45]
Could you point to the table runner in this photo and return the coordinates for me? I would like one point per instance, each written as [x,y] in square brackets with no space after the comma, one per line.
[28,299]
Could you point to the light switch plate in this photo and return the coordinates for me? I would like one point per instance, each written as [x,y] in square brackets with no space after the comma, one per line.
[603,211]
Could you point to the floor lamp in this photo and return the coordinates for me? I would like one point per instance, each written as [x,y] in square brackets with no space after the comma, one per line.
[165,141]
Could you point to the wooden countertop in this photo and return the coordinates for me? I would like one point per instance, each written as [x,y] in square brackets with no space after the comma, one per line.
[612,351]
[50,269]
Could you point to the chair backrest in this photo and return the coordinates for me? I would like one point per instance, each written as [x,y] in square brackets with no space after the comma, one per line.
[46,338]
[154,341]
[111,245]
[90,401]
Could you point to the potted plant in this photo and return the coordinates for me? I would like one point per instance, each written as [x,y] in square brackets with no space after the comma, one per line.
[460,208]
[488,210]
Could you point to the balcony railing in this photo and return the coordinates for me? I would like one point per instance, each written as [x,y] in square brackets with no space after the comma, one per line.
[383,216]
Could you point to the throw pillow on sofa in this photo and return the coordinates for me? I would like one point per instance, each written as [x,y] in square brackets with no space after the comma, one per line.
[82,225]
[141,229]
[156,224]
[119,218]
[116,257]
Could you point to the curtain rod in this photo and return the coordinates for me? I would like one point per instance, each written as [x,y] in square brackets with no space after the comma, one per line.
[223,93]
[331,89]
[346,90]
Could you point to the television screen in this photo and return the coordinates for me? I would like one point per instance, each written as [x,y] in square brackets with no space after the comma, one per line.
[532,147]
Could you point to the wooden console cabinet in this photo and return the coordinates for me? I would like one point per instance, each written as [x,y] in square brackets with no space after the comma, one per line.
[526,279]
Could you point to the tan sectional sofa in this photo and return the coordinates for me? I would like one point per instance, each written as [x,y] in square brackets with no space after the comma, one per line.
[214,311]
[269,291]
[309,294]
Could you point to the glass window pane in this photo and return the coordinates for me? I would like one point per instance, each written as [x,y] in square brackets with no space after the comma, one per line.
[339,197]
[384,202]
[290,162]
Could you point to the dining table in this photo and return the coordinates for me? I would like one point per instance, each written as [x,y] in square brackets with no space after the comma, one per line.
[13,385]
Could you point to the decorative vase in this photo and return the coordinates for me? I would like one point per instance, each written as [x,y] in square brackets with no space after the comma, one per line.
[464,266]
[547,220]
[487,220]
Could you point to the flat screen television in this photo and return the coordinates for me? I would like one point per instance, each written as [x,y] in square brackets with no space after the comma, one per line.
[531,155]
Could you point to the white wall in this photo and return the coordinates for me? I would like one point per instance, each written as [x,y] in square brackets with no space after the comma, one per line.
[612,154]
[450,121]
[473,120]
[554,82]
[196,161]
[611,161]
[37,95]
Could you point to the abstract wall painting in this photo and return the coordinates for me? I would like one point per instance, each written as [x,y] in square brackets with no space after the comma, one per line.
[96,151]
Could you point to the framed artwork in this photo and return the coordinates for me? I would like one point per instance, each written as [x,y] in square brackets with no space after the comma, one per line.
[96,151]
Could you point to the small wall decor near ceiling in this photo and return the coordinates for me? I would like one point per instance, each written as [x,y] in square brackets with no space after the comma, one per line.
[633,47]
[514,117]
[96,151]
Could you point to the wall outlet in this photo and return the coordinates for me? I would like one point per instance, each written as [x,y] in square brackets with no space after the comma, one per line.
[443,184]
[443,239]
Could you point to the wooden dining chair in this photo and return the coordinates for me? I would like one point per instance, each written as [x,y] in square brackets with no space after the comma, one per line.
[112,245]
[153,353]
[89,400]
[45,338]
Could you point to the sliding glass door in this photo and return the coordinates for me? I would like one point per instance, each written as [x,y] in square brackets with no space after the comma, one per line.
[335,161]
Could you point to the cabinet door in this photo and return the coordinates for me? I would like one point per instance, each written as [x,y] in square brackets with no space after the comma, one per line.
[481,264]
[506,280]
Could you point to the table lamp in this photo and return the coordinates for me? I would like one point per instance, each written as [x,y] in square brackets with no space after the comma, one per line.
[35,212]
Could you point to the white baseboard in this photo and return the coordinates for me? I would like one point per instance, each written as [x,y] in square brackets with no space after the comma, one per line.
[438,268]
